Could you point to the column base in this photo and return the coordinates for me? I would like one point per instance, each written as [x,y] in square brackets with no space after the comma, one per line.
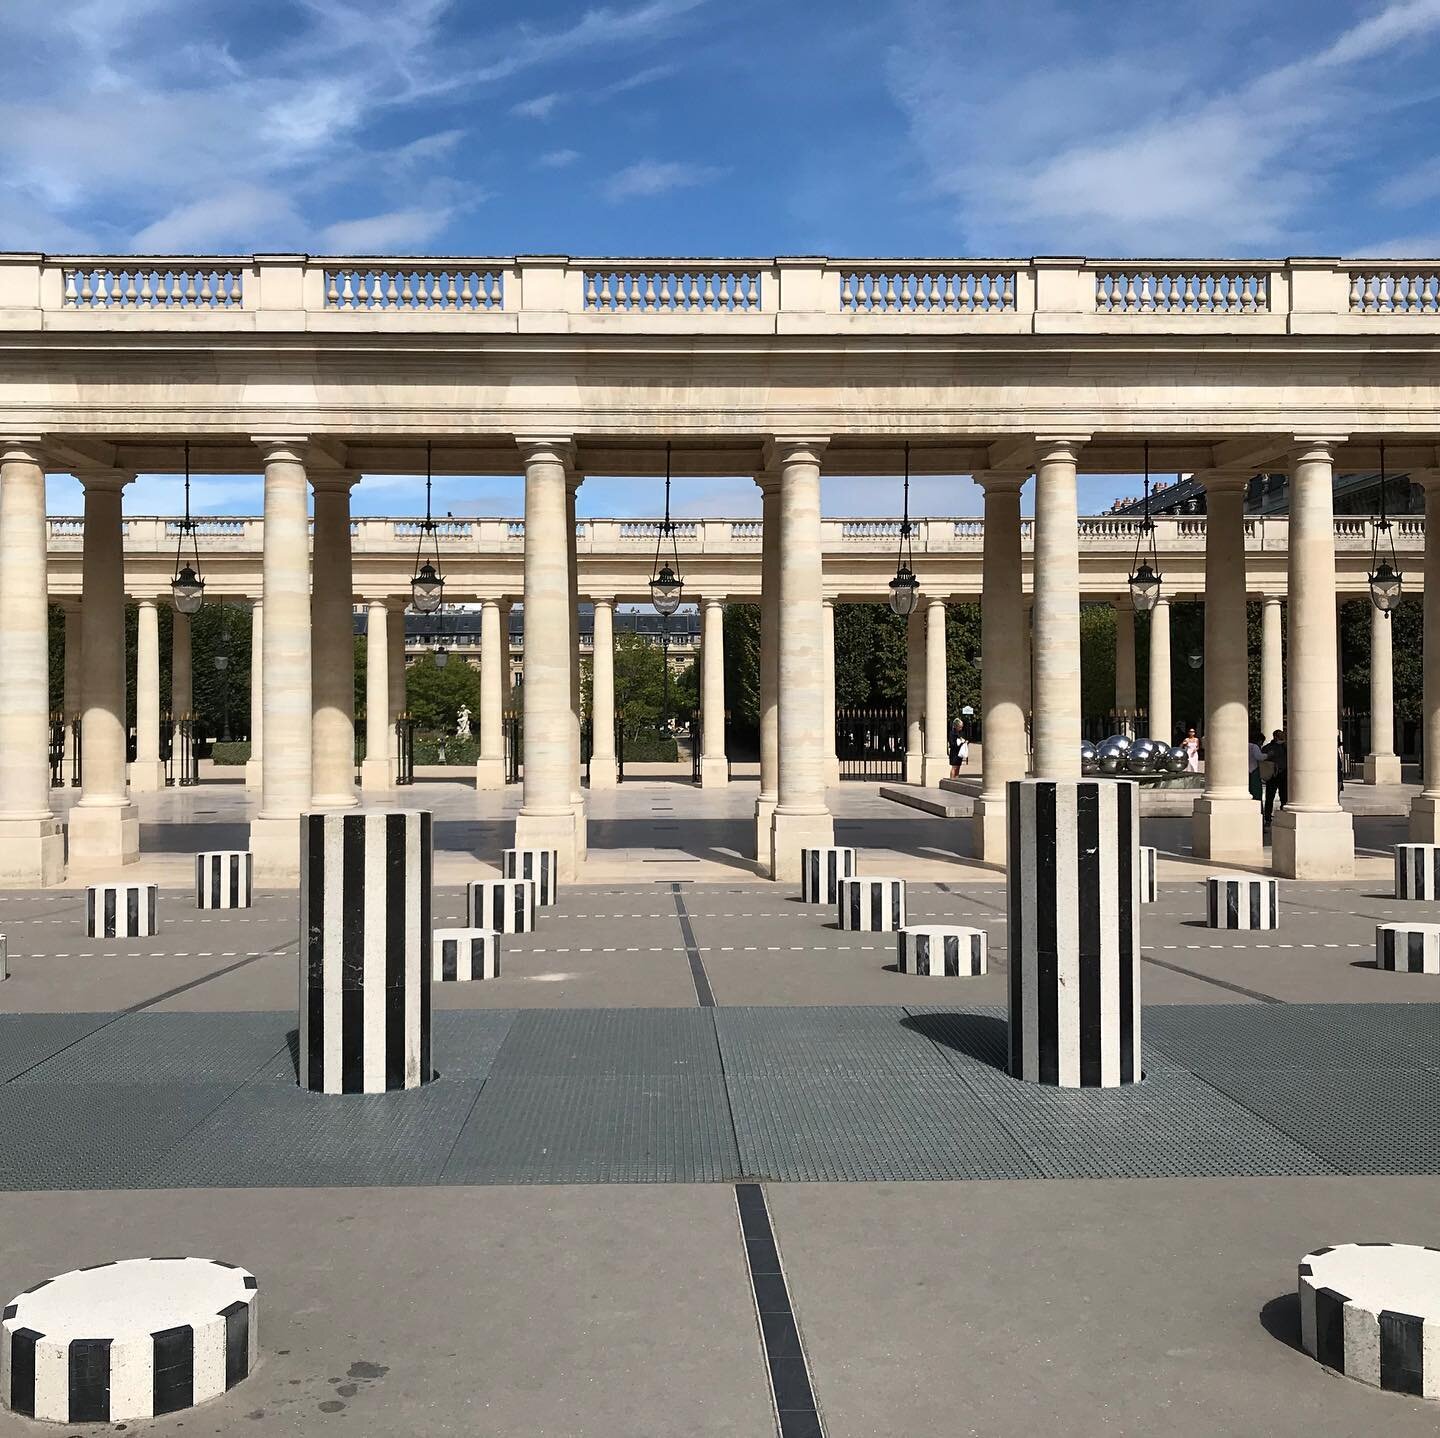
[582,830]
[32,853]
[1425,819]
[147,776]
[275,853]
[254,774]
[1227,829]
[764,825]
[603,772]
[333,801]
[1382,768]
[714,773]
[789,833]
[490,773]
[1313,845]
[103,836]
[914,768]
[376,774]
[989,834]
[549,831]
[933,769]
[832,771]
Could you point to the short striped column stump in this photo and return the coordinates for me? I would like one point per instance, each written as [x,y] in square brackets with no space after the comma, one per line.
[365,950]
[120,911]
[1147,859]
[1417,871]
[459,955]
[871,905]
[938,952]
[540,866]
[1241,902]
[821,871]
[223,879]
[506,906]
[128,1340]
[1408,948]
[1073,893]
[1371,1311]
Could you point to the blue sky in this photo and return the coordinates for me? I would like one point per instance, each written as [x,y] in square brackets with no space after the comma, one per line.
[985,128]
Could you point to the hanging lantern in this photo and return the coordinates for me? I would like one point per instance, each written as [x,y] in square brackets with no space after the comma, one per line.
[1145,582]
[905,587]
[1387,584]
[666,586]
[427,588]
[441,657]
[187,589]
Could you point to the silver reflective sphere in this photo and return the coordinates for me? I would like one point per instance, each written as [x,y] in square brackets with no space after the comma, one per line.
[1162,752]
[1176,762]
[1137,761]
[1109,746]
[1122,740]
[1087,757]
[1110,762]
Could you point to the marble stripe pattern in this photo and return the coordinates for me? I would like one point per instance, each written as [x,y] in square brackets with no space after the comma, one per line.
[540,866]
[224,879]
[1417,871]
[939,951]
[506,906]
[1372,1312]
[120,911]
[1241,902]
[1408,948]
[460,955]
[871,905]
[1148,861]
[821,871]
[365,926]
[1073,884]
[102,1344]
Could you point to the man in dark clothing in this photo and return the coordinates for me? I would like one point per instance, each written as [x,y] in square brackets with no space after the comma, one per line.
[1276,779]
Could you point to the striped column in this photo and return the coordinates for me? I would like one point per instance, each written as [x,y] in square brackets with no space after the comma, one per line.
[940,952]
[1408,948]
[1241,902]
[1417,871]
[223,879]
[872,905]
[540,866]
[1147,858]
[505,905]
[364,950]
[821,871]
[460,955]
[1074,931]
[120,911]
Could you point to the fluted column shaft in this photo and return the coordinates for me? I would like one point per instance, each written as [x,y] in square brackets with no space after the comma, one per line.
[827,642]
[254,765]
[1057,612]
[577,798]
[333,655]
[602,697]
[1272,667]
[1382,763]
[490,766]
[769,484]
[1425,807]
[1161,725]
[1125,689]
[396,660]
[147,773]
[937,762]
[915,692]
[376,772]
[714,770]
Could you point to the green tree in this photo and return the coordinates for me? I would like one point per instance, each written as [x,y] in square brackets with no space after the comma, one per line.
[434,695]
[742,673]
[639,682]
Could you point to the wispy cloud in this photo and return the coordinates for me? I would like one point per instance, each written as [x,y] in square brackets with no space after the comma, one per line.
[557,159]
[541,107]
[646,178]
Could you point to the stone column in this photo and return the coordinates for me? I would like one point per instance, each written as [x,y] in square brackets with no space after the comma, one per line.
[832,758]
[104,827]
[1057,612]
[577,798]
[1027,635]
[769,666]
[801,819]
[915,692]
[1004,662]
[182,682]
[1425,806]
[1272,667]
[398,701]
[70,694]
[1313,838]
[714,767]
[1162,726]
[286,677]
[602,697]
[32,846]
[147,773]
[547,815]
[333,637]
[490,766]
[1226,820]
[1382,763]
[254,766]
[376,771]
[937,761]
[1125,688]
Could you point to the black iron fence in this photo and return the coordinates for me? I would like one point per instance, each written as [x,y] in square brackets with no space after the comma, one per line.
[870,742]
[76,766]
[514,745]
[182,767]
[405,750]
[57,750]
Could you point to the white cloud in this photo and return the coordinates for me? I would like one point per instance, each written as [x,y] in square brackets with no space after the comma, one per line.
[216,219]
[655,177]
[557,159]
[541,107]
[392,232]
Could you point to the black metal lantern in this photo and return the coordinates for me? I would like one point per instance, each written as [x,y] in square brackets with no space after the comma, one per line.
[905,587]
[666,586]
[442,657]
[187,588]
[427,588]
[1145,582]
[1386,582]
[1195,659]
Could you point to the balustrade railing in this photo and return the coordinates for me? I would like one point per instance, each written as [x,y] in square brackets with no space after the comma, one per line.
[441,288]
[1182,291]
[445,528]
[1395,291]
[963,291]
[672,291]
[150,287]
[684,529]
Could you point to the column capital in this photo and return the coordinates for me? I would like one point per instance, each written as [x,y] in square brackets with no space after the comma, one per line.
[559,449]
[22,449]
[711,601]
[103,480]
[767,481]
[1227,481]
[332,481]
[1315,446]
[281,448]
[1059,446]
[1000,481]
[782,449]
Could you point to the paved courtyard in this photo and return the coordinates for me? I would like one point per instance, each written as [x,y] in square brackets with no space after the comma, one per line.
[698,1153]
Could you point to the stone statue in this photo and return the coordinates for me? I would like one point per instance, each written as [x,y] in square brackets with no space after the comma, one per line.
[462,722]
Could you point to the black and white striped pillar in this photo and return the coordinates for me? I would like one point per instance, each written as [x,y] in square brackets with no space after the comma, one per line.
[1241,901]
[821,871]
[459,955]
[120,911]
[223,879]
[939,951]
[1073,884]
[505,905]
[871,905]
[1408,948]
[365,950]
[127,1340]
[1147,859]
[1417,871]
[1372,1312]
[540,866]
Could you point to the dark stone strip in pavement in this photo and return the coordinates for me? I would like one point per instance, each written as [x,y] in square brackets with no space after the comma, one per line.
[1208,979]
[701,979]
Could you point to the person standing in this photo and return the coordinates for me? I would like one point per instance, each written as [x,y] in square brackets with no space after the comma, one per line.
[1191,745]
[959,749]
[1276,775]
[1257,757]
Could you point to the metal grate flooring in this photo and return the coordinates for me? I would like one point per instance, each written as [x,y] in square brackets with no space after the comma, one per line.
[107,1101]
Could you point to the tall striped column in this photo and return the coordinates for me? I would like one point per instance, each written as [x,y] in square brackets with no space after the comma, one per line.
[365,934]
[1074,931]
